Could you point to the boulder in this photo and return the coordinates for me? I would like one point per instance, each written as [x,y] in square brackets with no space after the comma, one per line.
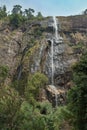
[56,96]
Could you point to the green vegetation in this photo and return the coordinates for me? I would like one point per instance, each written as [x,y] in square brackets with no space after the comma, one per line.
[3,73]
[3,13]
[77,96]
[35,83]
[16,20]
[17,16]
[26,112]
[9,108]
[17,9]
[21,105]
[79,48]
[39,16]
[28,13]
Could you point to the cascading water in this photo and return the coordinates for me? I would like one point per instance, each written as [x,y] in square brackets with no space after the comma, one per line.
[52,63]
[52,42]
[58,38]
[56,28]
[52,52]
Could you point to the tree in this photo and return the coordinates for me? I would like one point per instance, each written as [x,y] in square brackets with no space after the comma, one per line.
[39,16]
[16,20]
[35,83]
[77,96]
[17,9]
[85,12]
[3,73]
[43,117]
[3,12]
[29,13]
[4,8]
[10,103]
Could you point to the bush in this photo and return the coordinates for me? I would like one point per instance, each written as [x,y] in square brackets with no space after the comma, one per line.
[16,20]
[3,73]
[35,83]
[9,106]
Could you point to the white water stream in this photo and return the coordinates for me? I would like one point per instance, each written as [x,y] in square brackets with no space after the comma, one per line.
[56,28]
[52,63]
[52,54]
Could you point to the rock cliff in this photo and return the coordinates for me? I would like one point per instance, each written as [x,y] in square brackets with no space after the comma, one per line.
[27,49]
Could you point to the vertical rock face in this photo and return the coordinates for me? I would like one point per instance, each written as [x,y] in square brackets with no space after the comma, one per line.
[9,49]
[31,51]
[60,64]
[16,45]
[42,58]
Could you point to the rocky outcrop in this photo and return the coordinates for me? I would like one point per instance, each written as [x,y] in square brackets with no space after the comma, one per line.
[73,31]
[42,60]
[56,96]
[60,61]
[74,24]
[10,45]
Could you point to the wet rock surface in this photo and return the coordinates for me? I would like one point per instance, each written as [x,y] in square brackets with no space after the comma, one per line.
[55,95]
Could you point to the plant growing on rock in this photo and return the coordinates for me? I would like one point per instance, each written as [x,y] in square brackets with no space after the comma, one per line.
[3,73]
[35,83]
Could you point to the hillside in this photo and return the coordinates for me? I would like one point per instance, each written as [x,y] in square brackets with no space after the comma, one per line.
[26,70]
[32,36]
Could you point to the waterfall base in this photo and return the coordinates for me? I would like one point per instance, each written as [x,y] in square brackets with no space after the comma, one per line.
[55,96]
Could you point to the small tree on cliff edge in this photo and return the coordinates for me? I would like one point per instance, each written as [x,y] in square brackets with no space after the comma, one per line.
[85,12]
[77,96]
[3,12]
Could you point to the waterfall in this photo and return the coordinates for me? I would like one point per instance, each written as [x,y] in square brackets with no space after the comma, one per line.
[56,28]
[54,40]
[58,38]
[52,46]
[52,63]
[52,43]
[52,56]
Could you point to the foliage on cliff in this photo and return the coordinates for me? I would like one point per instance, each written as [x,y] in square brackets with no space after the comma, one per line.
[24,112]
[77,96]
[17,16]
